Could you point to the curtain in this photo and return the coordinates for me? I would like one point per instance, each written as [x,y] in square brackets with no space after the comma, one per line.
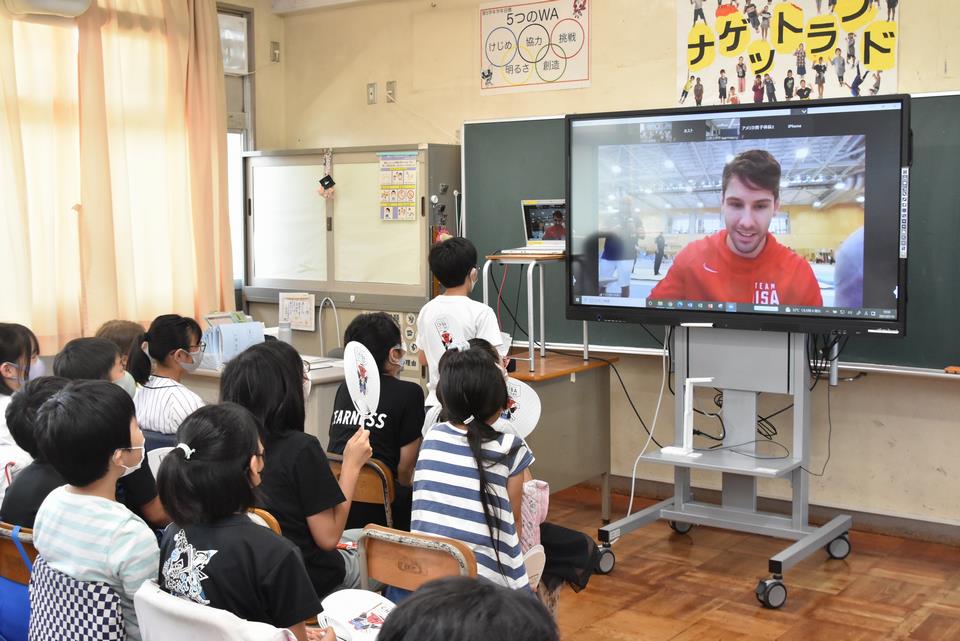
[114,144]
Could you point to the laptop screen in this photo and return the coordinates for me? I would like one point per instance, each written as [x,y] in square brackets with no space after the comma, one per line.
[545,222]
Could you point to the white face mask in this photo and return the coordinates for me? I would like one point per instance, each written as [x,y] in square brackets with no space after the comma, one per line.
[307,386]
[195,358]
[127,470]
[398,362]
[37,369]
[19,378]
[128,384]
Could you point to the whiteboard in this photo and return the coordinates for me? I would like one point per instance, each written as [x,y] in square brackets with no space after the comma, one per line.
[290,227]
[370,250]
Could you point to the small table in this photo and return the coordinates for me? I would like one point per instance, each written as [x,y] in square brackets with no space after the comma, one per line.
[531,262]
[572,440]
[319,406]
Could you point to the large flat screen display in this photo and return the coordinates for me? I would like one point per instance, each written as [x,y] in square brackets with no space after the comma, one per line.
[781,216]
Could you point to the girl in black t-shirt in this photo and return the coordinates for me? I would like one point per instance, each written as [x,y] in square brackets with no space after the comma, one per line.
[213,554]
[298,488]
[394,428]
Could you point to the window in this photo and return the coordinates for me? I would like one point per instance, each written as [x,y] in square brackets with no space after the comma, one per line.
[236,47]
[680,224]
[709,223]
[780,225]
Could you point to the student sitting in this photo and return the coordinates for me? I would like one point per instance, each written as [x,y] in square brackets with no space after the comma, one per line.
[99,359]
[89,434]
[454,263]
[465,463]
[93,359]
[158,360]
[214,554]
[298,486]
[122,332]
[32,485]
[468,609]
[394,429]
[16,352]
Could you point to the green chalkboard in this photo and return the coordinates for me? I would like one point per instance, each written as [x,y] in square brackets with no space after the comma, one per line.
[506,162]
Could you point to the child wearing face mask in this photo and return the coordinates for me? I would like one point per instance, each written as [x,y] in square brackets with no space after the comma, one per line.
[454,263]
[394,428]
[16,353]
[207,483]
[157,361]
[99,359]
[89,434]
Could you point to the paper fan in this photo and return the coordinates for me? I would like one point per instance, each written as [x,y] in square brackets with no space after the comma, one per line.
[363,378]
[523,409]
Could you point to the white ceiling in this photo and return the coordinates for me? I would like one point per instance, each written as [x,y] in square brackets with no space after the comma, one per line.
[688,175]
[281,7]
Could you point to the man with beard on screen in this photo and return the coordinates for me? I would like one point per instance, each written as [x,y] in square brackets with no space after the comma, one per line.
[743,263]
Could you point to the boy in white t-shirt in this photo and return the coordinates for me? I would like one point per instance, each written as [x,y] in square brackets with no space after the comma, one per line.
[453,316]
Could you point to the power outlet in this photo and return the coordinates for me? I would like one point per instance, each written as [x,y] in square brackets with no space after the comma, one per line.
[371,93]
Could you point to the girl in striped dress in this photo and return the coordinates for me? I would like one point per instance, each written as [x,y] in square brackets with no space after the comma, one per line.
[468,480]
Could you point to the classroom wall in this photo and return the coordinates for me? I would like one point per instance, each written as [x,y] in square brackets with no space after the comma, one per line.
[893,436]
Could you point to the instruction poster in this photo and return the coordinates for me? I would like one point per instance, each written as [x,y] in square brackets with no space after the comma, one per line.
[534,46]
[398,185]
[750,51]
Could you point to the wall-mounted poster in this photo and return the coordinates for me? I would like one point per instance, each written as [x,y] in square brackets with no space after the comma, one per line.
[742,51]
[398,185]
[534,46]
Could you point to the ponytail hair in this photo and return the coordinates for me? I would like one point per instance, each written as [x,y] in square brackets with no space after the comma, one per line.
[167,334]
[472,390]
[208,480]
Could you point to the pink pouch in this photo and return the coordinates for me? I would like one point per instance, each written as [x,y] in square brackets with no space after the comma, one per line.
[533,512]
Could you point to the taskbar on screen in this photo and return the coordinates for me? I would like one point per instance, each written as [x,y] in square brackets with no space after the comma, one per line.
[720,306]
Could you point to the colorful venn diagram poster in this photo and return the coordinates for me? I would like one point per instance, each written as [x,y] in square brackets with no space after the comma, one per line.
[751,51]
[534,46]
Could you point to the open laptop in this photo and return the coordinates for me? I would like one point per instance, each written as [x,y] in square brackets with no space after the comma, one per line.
[545,226]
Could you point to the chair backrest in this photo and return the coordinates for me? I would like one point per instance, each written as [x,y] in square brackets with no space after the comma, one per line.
[374,485]
[155,457]
[163,616]
[62,607]
[12,566]
[264,518]
[406,560]
[16,558]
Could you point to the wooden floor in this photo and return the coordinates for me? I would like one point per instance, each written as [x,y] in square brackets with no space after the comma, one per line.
[700,586]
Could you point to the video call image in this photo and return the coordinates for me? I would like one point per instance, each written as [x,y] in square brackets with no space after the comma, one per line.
[671,229]
[546,222]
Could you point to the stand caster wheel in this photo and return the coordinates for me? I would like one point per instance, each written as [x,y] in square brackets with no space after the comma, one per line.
[839,548]
[605,559]
[680,528]
[772,593]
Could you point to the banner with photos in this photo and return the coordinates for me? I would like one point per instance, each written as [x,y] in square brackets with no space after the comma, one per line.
[534,46]
[744,51]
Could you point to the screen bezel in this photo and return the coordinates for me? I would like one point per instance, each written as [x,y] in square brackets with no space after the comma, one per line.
[551,202]
[740,320]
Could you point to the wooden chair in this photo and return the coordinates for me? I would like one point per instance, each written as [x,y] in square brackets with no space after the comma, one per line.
[374,485]
[14,579]
[407,561]
[11,563]
[264,518]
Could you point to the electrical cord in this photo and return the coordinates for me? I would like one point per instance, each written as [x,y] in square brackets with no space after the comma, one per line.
[653,425]
[731,448]
[829,440]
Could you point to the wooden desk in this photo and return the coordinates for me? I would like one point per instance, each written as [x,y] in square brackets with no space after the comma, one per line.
[319,406]
[572,441]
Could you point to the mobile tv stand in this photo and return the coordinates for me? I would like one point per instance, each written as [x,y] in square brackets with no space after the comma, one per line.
[744,364]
